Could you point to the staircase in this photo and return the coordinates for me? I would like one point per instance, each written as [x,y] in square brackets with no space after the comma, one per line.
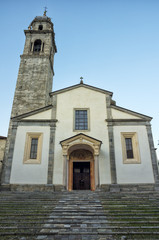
[79,215]
[132,215]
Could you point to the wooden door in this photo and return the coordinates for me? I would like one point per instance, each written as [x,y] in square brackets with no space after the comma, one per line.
[81,175]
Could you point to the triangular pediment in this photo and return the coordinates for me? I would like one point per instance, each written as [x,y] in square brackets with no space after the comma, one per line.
[81,139]
[41,115]
[44,113]
[83,86]
[125,114]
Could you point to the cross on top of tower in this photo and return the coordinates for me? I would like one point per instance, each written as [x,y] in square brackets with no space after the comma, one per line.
[81,82]
[45,11]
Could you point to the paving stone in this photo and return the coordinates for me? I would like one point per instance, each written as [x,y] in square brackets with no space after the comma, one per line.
[42,237]
[83,225]
[67,226]
[75,237]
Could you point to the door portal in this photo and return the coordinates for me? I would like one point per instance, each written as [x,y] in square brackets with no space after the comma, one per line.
[81,175]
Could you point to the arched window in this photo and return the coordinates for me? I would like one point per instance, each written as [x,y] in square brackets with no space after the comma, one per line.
[37,45]
[40,27]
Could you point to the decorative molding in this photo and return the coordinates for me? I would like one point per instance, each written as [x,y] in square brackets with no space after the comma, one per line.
[37,123]
[39,120]
[81,154]
[125,120]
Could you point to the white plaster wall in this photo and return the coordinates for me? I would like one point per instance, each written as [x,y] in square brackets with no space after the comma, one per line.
[29,173]
[116,114]
[96,102]
[42,115]
[133,173]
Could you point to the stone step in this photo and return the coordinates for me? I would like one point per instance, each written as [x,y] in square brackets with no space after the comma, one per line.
[70,211]
[116,233]
[143,223]
[79,215]
[81,226]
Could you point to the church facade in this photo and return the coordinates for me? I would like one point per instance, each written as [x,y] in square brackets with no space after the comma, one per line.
[75,138]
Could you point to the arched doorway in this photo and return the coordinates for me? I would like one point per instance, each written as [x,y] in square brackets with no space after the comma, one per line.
[81,155]
[81,170]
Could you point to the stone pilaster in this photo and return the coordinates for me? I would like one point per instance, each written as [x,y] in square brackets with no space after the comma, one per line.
[6,172]
[153,154]
[111,143]
[51,153]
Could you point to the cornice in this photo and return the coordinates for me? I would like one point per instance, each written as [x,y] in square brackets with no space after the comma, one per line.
[81,85]
[39,31]
[33,55]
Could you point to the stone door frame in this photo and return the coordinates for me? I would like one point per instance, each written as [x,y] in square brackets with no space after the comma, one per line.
[70,173]
[80,141]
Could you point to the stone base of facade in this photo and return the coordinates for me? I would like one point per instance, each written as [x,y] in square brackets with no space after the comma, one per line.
[5,187]
[28,187]
[58,188]
[129,187]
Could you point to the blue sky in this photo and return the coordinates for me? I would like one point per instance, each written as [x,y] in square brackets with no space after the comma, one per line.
[113,44]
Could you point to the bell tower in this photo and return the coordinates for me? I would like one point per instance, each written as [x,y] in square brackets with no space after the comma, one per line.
[35,77]
[34,82]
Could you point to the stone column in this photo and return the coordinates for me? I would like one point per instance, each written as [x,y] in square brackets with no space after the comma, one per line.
[96,170]
[65,171]
[65,165]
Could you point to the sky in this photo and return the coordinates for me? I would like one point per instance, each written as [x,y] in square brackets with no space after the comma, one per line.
[112,44]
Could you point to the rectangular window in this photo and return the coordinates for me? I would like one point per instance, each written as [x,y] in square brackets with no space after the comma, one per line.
[33,148]
[130,147]
[81,119]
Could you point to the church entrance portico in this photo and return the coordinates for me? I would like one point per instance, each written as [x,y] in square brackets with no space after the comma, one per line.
[81,162]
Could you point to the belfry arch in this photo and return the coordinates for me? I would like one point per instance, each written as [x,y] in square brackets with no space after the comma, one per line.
[81,162]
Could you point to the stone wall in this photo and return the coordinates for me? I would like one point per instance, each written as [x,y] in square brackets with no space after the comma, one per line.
[2,149]
[33,86]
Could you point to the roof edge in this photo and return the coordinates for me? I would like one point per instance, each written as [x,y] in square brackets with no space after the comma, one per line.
[81,85]
[2,137]
[32,112]
[79,135]
[145,117]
